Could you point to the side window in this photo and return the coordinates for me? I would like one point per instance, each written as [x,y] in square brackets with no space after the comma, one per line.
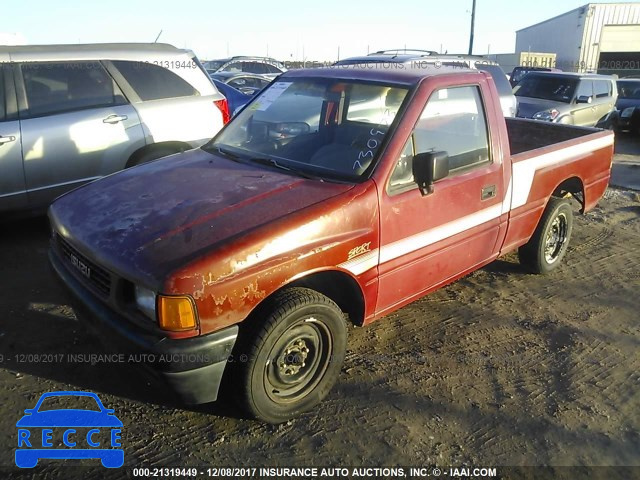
[3,106]
[152,82]
[238,83]
[253,67]
[233,67]
[585,89]
[59,87]
[271,68]
[453,121]
[403,172]
[601,88]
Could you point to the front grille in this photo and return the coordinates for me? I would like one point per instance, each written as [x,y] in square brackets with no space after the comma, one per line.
[98,277]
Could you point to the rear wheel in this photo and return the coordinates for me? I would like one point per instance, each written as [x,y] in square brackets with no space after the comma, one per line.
[548,245]
[294,357]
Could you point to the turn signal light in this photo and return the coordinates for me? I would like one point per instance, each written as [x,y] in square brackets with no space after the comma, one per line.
[176,313]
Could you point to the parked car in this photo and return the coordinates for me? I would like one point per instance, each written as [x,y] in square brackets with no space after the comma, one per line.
[628,105]
[584,99]
[261,65]
[247,83]
[424,58]
[267,245]
[72,113]
[518,73]
[235,98]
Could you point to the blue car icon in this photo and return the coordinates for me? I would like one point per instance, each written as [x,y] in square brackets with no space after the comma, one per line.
[86,433]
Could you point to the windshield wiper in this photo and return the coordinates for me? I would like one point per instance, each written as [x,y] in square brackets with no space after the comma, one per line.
[272,162]
[230,155]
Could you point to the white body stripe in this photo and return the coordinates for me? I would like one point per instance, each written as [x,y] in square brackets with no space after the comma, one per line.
[506,201]
[424,239]
[516,195]
[524,171]
[361,263]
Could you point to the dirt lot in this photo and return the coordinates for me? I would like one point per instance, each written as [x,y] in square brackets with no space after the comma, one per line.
[500,368]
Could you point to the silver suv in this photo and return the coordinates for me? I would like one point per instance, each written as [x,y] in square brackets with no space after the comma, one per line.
[70,114]
[584,99]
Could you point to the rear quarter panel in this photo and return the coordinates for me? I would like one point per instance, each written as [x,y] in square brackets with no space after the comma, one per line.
[537,174]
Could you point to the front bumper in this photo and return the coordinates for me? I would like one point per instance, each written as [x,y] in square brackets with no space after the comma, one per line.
[192,367]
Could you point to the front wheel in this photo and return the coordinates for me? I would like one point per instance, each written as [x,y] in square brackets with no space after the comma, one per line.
[294,357]
[548,245]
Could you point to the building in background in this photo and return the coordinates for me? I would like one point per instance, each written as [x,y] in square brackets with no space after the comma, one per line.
[597,37]
[508,61]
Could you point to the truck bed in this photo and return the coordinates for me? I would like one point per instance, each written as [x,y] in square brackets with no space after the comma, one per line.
[526,135]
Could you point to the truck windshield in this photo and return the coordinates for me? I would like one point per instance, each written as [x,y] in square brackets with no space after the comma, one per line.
[324,127]
[547,87]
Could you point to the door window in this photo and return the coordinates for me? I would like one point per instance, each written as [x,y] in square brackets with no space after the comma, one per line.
[3,106]
[585,89]
[601,88]
[271,68]
[59,87]
[152,82]
[453,121]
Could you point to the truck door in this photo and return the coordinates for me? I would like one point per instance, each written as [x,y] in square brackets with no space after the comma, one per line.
[13,194]
[429,240]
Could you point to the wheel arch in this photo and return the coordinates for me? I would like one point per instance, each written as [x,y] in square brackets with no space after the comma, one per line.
[574,186]
[174,146]
[340,287]
[337,285]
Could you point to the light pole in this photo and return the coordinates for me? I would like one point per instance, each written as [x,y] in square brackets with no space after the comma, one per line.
[473,21]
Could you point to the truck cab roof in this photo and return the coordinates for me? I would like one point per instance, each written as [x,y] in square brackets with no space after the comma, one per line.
[402,75]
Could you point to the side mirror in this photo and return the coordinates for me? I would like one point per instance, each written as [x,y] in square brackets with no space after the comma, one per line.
[429,167]
[584,99]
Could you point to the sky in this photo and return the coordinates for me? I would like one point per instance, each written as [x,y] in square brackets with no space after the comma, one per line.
[288,30]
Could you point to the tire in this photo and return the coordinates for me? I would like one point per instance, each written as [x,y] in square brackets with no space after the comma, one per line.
[548,245]
[153,154]
[294,355]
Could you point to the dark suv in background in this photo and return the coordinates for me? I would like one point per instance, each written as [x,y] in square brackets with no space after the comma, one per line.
[518,73]
[628,105]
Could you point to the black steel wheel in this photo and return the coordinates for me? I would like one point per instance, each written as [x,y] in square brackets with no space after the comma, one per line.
[548,245]
[294,357]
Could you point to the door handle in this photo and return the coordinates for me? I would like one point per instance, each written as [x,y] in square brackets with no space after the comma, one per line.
[488,192]
[4,140]
[114,119]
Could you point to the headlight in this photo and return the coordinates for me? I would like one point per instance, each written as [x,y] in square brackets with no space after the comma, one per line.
[547,115]
[627,112]
[146,302]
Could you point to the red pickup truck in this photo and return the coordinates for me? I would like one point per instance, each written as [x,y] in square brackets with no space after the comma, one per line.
[337,195]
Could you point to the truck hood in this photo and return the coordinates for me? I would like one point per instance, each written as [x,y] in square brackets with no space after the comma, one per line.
[145,222]
[527,106]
